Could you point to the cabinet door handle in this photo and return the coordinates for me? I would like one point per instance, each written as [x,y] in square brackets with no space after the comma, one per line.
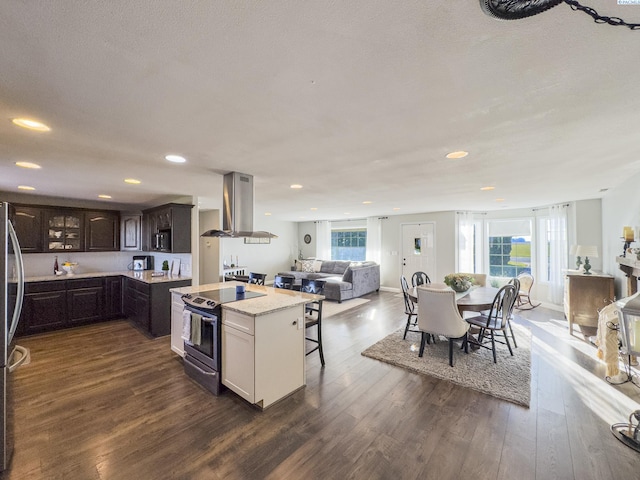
[295,322]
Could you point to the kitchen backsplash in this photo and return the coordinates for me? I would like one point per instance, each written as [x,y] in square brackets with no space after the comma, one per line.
[38,264]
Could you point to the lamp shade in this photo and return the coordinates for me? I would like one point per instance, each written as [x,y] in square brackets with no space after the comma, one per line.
[590,251]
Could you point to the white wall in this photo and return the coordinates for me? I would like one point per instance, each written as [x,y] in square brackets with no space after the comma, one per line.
[209,248]
[271,258]
[391,264]
[620,208]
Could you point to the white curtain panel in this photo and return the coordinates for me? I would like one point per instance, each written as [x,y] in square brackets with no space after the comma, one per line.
[323,240]
[558,252]
[466,242]
[374,239]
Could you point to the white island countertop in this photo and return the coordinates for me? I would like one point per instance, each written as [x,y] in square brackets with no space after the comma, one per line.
[274,300]
[144,276]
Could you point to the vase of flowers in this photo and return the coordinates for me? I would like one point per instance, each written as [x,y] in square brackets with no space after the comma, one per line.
[458,282]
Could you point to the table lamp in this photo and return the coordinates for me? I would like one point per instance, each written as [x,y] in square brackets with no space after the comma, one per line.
[587,251]
[572,251]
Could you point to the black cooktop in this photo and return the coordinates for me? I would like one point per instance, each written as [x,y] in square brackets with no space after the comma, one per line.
[210,299]
[226,295]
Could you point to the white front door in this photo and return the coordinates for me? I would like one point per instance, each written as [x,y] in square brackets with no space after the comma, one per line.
[419,250]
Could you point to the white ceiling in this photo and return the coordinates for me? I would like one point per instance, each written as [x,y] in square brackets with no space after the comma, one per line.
[357,101]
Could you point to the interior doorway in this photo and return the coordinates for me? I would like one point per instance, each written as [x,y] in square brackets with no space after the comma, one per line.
[418,249]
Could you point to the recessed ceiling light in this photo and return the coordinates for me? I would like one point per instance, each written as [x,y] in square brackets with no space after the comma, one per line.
[28,165]
[487,188]
[25,187]
[31,124]
[396,208]
[295,185]
[367,202]
[499,199]
[347,213]
[314,208]
[176,158]
[268,214]
[458,154]
[107,197]
[132,181]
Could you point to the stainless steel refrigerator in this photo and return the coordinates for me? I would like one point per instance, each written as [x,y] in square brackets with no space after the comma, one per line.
[12,356]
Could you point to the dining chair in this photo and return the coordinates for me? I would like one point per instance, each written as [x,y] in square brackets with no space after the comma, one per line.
[420,278]
[496,321]
[409,308]
[257,278]
[523,300]
[439,315]
[283,281]
[316,287]
[479,279]
[516,283]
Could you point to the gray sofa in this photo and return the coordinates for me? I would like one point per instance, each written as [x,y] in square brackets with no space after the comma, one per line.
[344,279]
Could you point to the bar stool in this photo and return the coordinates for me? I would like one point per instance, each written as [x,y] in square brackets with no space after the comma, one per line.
[257,278]
[315,287]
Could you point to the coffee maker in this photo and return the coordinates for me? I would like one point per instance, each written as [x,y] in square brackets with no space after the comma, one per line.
[143,262]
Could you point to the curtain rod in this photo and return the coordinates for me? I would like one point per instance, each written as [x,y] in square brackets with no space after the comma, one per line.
[544,208]
[474,213]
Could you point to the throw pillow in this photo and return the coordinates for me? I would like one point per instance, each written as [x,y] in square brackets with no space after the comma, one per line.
[317,265]
[298,265]
[307,265]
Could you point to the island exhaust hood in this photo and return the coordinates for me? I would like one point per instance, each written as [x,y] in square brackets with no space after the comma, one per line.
[237,206]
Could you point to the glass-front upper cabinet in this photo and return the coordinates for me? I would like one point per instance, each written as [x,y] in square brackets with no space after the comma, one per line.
[65,231]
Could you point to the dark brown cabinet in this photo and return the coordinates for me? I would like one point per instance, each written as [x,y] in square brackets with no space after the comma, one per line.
[102,231]
[85,300]
[131,232]
[168,228]
[44,307]
[28,224]
[64,231]
[113,296]
[51,229]
[149,305]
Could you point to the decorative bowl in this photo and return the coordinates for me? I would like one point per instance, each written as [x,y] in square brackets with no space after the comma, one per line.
[458,282]
[69,267]
[461,287]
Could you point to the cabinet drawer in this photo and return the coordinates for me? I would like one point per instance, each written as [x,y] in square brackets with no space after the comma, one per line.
[84,283]
[52,286]
[244,323]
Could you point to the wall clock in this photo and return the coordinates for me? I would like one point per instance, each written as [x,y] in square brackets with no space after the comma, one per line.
[307,238]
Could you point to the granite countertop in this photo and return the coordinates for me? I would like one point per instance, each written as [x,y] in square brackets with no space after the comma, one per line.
[143,276]
[274,300]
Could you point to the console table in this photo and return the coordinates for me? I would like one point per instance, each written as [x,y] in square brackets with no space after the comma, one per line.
[585,296]
[232,272]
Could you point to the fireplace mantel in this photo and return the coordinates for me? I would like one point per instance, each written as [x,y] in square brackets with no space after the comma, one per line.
[631,268]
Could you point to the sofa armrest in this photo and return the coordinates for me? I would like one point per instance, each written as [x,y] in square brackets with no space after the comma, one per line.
[365,279]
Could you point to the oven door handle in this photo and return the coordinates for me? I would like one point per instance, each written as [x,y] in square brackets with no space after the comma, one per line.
[209,320]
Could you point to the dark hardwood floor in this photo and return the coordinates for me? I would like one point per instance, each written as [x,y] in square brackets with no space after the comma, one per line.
[106,402]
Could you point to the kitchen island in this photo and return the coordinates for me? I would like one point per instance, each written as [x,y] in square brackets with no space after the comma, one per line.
[262,340]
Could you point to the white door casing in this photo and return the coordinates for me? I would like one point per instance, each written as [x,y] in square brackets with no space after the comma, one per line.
[418,249]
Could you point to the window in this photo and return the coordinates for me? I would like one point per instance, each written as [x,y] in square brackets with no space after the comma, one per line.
[349,244]
[509,247]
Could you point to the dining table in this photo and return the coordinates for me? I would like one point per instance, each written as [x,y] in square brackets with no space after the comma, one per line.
[476,299]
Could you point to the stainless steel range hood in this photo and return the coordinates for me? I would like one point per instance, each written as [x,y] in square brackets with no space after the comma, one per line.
[237,206]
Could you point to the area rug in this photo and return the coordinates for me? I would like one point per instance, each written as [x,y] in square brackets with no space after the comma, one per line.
[509,379]
[330,308]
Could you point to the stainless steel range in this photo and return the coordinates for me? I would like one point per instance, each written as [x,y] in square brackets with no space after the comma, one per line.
[202,361]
